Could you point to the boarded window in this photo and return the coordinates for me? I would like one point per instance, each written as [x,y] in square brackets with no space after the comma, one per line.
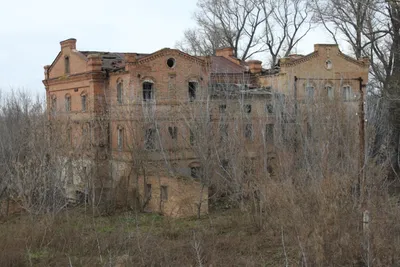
[192,91]
[148,91]
[164,193]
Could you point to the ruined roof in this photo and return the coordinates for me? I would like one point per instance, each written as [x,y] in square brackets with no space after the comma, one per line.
[221,64]
[112,61]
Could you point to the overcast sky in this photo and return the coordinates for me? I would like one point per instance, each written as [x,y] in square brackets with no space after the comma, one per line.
[30,32]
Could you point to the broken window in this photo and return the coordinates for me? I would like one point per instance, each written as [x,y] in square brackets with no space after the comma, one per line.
[148,91]
[66,65]
[346,93]
[171,62]
[149,142]
[83,100]
[248,131]
[119,92]
[195,172]
[247,108]
[148,191]
[269,108]
[120,137]
[173,132]
[192,91]
[269,133]
[164,193]
[67,103]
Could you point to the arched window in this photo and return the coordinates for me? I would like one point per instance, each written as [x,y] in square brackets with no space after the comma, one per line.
[66,65]
[120,86]
[148,93]
[84,102]
[120,138]
[67,103]
[347,93]
[53,105]
[330,91]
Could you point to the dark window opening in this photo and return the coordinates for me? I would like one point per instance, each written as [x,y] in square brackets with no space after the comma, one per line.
[66,65]
[148,191]
[83,98]
[173,132]
[164,193]
[222,109]
[195,172]
[269,133]
[270,108]
[171,62]
[150,139]
[247,108]
[147,91]
[119,93]
[67,103]
[191,138]
[248,131]
[225,164]
[192,91]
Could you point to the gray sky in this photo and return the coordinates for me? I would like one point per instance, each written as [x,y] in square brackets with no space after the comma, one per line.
[30,32]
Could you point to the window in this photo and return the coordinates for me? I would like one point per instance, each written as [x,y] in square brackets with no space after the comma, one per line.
[120,138]
[53,107]
[171,62]
[247,108]
[83,100]
[173,132]
[192,91]
[223,131]
[346,93]
[222,109]
[148,91]
[66,65]
[330,92]
[147,191]
[164,193]
[310,92]
[149,142]
[195,172]
[69,136]
[225,164]
[269,108]
[191,138]
[119,92]
[328,64]
[67,103]
[248,131]
[269,133]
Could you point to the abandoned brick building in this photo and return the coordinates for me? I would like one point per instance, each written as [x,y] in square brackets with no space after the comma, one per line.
[134,124]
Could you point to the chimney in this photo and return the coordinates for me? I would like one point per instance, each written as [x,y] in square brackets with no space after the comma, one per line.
[69,43]
[226,52]
[254,66]
[94,62]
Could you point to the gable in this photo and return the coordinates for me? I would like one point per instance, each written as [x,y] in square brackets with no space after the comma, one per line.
[77,64]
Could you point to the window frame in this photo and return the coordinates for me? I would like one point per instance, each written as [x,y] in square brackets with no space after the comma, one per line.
[67,65]
[192,90]
[120,138]
[347,96]
[67,101]
[120,86]
[148,93]
[83,102]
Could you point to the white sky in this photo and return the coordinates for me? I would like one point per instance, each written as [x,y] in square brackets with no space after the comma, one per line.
[30,32]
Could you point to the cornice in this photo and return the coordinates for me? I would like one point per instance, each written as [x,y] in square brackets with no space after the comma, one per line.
[164,52]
